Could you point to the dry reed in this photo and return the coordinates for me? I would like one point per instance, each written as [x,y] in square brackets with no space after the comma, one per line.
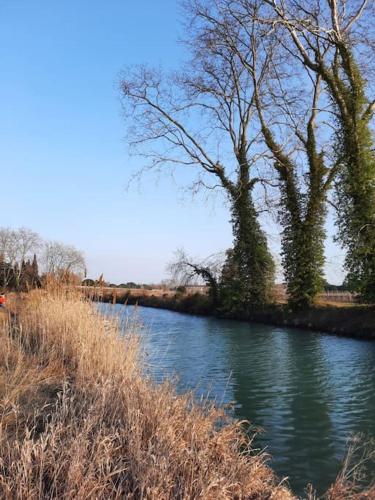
[78,419]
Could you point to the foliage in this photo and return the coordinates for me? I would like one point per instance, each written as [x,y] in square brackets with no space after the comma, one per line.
[355,188]
[303,247]
[248,274]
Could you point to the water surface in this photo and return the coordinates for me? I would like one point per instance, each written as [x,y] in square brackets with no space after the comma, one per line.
[309,392]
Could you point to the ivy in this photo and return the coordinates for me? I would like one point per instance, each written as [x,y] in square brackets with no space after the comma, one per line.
[248,274]
[355,187]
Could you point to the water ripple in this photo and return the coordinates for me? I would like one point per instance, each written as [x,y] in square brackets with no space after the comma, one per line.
[309,392]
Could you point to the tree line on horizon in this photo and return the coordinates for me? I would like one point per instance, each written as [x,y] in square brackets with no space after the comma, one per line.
[274,101]
[100,282]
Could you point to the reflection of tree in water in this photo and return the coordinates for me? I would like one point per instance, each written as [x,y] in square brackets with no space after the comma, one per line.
[310,439]
[282,384]
[352,382]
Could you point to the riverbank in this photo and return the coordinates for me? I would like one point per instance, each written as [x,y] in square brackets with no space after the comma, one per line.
[79,419]
[357,321]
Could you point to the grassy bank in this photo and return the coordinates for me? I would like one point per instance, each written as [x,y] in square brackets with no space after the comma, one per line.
[353,320]
[79,420]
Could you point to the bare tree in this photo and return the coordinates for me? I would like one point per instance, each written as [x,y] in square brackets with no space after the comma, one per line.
[184,270]
[16,246]
[287,108]
[310,47]
[203,118]
[293,118]
[62,260]
[305,180]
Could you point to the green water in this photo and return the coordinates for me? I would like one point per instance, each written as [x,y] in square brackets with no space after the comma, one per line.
[308,392]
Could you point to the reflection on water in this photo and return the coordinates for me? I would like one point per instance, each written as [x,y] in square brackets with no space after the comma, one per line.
[308,392]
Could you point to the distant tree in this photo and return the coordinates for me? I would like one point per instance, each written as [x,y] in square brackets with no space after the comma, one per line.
[131,284]
[62,261]
[34,273]
[29,275]
[184,270]
[35,266]
[16,247]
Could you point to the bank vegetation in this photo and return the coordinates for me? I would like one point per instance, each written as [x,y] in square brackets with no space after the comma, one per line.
[80,419]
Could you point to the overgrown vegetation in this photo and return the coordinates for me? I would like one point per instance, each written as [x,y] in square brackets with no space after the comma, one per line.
[355,187]
[247,278]
[79,419]
[301,212]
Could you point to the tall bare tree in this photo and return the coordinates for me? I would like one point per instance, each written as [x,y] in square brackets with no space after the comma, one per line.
[335,40]
[203,118]
[305,180]
[287,102]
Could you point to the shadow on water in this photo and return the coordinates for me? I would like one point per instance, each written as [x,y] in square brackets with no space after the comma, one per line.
[308,392]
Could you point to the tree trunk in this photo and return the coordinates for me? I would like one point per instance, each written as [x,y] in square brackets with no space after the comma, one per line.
[249,273]
[356,187]
[303,236]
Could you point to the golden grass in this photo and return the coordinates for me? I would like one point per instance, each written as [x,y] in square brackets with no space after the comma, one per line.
[78,419]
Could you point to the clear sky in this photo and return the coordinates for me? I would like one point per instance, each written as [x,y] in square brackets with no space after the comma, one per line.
[63,153]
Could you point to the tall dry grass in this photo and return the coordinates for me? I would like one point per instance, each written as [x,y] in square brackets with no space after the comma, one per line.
[79,420]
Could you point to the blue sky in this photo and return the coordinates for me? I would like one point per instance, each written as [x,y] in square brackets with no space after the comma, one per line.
[64,158]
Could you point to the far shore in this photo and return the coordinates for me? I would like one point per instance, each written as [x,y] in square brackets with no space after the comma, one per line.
[349,320]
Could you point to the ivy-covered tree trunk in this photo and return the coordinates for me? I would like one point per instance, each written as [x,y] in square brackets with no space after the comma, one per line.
[303,254]
[248,275]
[355,188]
[301,214]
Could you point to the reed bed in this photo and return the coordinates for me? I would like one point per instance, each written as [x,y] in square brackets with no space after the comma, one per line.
[79,419]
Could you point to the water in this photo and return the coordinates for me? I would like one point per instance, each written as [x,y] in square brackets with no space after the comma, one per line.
[309,392]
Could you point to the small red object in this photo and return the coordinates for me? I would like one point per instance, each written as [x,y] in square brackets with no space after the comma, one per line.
[2,300]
